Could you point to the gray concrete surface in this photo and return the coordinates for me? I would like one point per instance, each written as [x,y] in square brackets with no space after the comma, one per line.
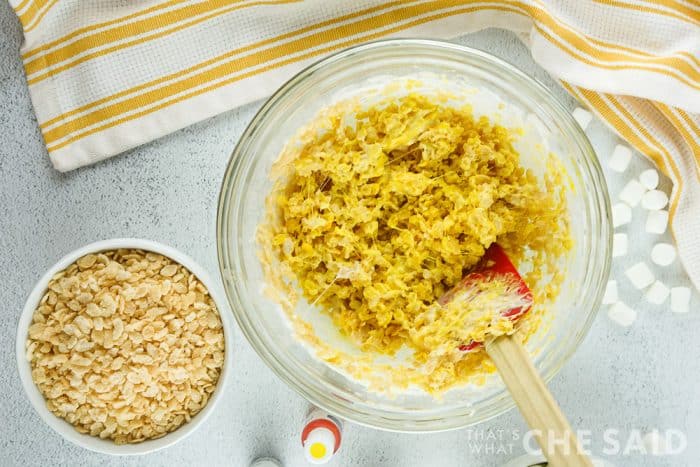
[630,380]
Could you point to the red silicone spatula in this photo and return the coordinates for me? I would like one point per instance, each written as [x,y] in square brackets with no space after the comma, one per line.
[551,429]
[495,264]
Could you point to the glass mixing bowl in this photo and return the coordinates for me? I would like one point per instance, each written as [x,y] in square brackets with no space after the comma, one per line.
[494,88]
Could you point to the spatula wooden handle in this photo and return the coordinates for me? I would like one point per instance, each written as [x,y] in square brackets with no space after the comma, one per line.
[541,412]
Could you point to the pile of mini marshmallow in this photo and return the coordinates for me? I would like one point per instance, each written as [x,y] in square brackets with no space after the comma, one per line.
[641,192]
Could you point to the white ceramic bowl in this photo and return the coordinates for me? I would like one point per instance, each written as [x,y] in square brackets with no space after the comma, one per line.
[67,430]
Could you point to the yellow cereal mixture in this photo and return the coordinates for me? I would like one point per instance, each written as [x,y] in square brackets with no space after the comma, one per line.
[378,215]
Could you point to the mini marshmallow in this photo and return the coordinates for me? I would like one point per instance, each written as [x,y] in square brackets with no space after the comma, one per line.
[622,314]
[620,158]
[680,299]
[654,200]
[657,221]
[649,179]
[619,245]
[632,193]
[663,254]
[657,293]
[610,295]
[582,116]
[621,214]
[640,275]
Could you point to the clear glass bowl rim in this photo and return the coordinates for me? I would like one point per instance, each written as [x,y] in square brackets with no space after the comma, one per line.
[299,384]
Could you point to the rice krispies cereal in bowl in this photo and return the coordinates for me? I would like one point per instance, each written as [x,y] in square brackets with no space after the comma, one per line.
[123,346]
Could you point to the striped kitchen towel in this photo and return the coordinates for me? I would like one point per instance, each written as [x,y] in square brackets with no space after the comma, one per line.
[108,75]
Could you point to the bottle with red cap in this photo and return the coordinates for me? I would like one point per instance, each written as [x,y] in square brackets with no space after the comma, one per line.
[321,436]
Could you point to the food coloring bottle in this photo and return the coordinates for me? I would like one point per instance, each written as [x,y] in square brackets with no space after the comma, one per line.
[321,436]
